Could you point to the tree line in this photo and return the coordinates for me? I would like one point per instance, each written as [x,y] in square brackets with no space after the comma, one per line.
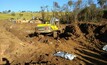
[79,10]
[72,11]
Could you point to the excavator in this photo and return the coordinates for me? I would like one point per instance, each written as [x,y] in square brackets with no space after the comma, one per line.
[51,27]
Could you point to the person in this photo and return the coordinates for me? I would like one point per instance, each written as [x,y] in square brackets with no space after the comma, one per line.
[57,22]
[33,17]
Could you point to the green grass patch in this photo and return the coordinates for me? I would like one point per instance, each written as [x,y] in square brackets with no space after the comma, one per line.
[26,15]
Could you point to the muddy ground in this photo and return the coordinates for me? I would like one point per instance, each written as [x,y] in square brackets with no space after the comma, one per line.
[20,46]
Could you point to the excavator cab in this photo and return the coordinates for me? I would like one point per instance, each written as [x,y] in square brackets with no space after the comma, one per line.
[49,27]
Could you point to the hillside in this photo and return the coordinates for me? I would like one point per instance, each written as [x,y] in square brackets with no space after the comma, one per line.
[26,15]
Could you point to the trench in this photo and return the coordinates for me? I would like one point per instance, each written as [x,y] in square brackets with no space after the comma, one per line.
[96,30]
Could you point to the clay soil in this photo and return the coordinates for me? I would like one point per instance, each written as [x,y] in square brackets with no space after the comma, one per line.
[19,45]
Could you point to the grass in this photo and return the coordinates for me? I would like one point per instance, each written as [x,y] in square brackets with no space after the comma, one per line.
[26,15]
[5,16]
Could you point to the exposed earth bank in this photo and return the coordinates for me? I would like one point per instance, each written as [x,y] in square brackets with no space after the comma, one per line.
[19,44]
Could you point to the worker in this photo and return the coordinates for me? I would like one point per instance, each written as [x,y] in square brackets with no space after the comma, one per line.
[57,22]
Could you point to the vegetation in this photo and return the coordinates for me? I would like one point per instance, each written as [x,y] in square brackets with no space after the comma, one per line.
[69,12]
[79,11]
[13,13]
[19,15]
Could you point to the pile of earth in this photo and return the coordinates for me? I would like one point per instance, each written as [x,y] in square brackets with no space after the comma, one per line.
[85,40]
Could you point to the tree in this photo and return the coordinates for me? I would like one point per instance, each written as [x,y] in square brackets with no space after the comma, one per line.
[56,9]
[13,14]
[91,14]
[23,11]
[78,3]
[9,11]
[47,15]
[46,8]
[90,2]
[105,6]
[43,13]
[77,9]
[102,3]
[56,5]
[70,3]
[5,12]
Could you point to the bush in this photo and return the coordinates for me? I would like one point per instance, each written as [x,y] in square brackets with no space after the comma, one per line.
[13,14]
[105,14]
[90,14]
[20,14]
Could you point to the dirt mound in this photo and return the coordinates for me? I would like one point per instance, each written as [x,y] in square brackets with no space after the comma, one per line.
[85,40]
[11,48]
[91,37]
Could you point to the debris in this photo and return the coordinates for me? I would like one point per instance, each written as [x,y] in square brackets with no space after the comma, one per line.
[45,41]
[41,36]
[50,42]
[65,55]
[6,60]
[105,48]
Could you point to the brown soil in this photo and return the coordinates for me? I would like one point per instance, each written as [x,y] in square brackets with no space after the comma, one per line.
[19,45]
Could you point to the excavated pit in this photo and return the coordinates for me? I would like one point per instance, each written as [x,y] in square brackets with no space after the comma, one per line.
[85,40]
[98,31]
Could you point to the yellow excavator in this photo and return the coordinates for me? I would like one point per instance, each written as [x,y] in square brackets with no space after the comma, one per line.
[49,27]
